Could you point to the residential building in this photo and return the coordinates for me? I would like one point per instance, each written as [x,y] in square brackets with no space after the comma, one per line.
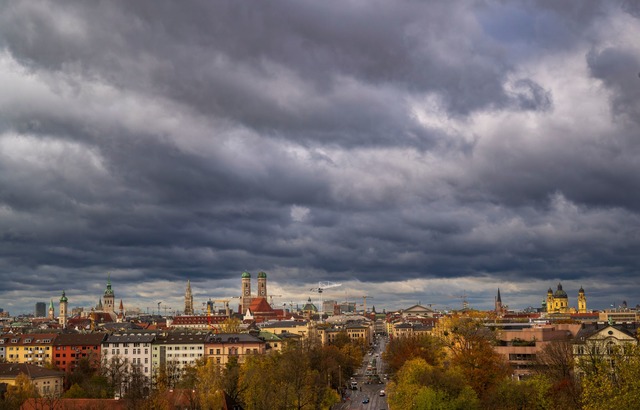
[618,316]
[272,342]
[132,348]
[70,348]
[223,347]
[204,323]
[599,339]
[48,383]
[521,343]
[177,350]
[280,327]
[410,329]
[33,348]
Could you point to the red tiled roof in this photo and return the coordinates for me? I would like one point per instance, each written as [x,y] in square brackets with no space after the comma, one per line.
[73,404]
[260,305]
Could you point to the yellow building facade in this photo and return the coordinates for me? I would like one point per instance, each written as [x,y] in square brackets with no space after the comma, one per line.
[29,348]
[558,301]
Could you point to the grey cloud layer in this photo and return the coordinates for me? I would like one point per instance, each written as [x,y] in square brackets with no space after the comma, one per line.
[170,140]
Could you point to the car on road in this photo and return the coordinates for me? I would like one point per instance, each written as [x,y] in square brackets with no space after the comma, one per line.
[365,401]
[382,393]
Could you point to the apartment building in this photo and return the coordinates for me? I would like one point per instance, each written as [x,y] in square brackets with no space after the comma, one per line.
[223,347]
[32,348]
[135,349]
[70,348]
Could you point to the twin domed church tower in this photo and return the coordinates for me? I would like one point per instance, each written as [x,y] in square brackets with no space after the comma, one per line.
[245,296]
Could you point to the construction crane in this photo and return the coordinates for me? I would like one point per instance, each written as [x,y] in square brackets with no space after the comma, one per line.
[464,297]
[226,304]
[271,298]
[364,305]
[322,286]
[165,307]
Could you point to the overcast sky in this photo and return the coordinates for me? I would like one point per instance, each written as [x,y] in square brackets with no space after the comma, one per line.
[413,151]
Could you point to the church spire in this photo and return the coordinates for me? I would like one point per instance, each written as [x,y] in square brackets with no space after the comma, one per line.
[188,300]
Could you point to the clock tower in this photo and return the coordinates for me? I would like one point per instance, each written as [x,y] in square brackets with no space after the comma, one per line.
[245,296]
[262,285]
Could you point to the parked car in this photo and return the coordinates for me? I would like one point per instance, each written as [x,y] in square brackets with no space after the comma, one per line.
[365,401]
[382,393]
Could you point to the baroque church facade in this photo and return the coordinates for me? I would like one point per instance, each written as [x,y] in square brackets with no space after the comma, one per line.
[558,301]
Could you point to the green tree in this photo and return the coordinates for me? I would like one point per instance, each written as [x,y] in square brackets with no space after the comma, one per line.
[423,386]
[75,392]
[555,363]
[209,385]
[230,325]
[18,393]
[533,393]
[612,381]
[398,351]
[472,351]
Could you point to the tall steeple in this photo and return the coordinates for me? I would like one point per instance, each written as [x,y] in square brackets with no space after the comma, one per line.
[582,301]
[62,319]
[52,311]
[188,300]
[498,304]
[262,285]
[245,296]
[109,297]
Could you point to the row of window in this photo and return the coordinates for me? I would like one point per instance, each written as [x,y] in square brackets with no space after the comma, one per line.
[27,341]
[78,347]
[126,351]
[137,344]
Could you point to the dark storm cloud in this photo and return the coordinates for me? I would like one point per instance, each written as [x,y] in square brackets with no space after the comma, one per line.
[367,142]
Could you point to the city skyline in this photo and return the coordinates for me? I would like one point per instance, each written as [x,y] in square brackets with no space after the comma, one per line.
[282,298]
[410,151]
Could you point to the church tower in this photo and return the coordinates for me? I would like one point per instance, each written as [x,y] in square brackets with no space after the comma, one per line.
[550,301]
[109,297]
[262,285]
[62,319]
[52,311]
[245,298]
[582,301]
[120,318]
[498,307]
[188,300]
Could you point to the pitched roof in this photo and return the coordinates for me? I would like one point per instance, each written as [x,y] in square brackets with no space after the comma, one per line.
[233,338]
[74,404]
[260,305]
[591,329]
[10,370]
[76,339]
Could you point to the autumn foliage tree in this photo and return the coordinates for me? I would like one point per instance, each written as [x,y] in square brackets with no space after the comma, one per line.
[427,347]
[420,385]
[471,349]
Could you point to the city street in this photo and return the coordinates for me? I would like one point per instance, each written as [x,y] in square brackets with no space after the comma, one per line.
[354,398]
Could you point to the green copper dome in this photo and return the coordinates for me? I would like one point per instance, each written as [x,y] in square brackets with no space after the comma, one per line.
[262,275]
[560,293]
[246,275]
[63,298]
